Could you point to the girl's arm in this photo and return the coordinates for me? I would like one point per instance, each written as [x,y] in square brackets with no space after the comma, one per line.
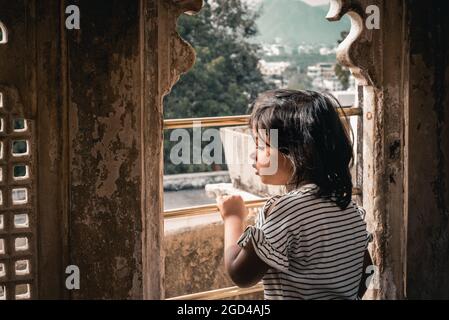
[242,264]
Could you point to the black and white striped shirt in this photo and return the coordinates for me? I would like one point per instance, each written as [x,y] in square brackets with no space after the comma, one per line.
[315,249]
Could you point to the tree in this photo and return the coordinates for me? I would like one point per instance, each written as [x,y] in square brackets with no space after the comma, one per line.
[341,72]
[225,77]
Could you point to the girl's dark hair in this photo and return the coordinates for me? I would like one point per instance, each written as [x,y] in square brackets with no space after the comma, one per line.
[312,136]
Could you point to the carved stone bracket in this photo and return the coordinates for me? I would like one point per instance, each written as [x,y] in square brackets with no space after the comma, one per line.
[166,56]
[356,51]
[377,59]
[182,55]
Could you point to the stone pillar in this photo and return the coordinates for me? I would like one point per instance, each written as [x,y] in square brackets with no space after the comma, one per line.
[402,67]
[94,96]
[122,62]
[427,161]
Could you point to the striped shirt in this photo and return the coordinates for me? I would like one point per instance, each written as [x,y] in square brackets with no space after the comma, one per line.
[314,249]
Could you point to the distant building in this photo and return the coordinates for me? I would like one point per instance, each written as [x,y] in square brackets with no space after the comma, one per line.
[332,84]
[324,51]
[273,72]
[278,83]
[273,49]
[273,68]
[288,49]
[305,49]
[322,70]
[313,72]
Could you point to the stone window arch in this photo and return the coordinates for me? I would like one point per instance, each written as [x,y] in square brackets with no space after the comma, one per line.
[379,60]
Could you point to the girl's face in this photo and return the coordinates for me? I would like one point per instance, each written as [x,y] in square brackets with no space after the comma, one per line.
[272,166]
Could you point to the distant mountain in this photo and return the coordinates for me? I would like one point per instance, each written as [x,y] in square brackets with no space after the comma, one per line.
[295,22]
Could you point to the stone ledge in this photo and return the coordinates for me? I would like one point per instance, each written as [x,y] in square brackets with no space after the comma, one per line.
[197,180]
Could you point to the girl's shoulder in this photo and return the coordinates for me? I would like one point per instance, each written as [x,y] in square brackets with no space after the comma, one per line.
[279,201]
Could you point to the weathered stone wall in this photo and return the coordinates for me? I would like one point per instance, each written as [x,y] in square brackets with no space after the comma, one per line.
[194,260]
[96,96]
[403,70]
[123,60]
[31,62]
[374,57]
[427,162]
[105,138]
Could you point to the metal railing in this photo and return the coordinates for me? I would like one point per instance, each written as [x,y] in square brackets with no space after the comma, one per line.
[220,293]
[231,120]
[211,208]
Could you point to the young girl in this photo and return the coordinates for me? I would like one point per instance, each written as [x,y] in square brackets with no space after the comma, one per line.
[309,243]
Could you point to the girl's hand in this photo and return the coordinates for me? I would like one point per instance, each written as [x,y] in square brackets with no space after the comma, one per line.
[232,206]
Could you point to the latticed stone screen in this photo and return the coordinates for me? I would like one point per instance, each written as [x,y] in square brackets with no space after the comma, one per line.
[17,208]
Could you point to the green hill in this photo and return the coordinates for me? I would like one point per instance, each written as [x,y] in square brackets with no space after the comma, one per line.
[295,22]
